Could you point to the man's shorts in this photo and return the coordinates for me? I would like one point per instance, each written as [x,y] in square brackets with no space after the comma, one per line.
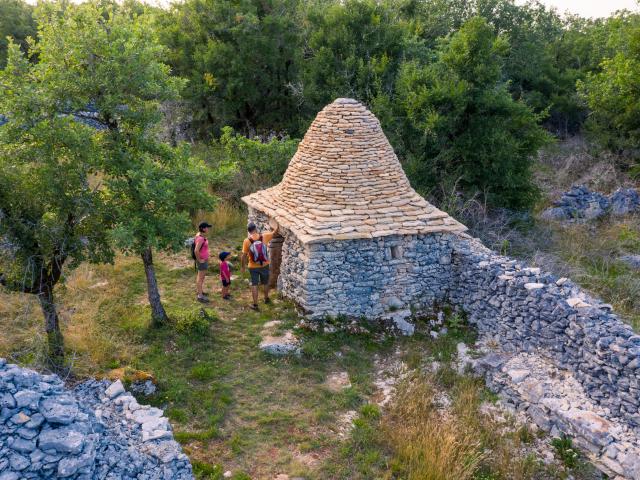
[203,266]
[259,275]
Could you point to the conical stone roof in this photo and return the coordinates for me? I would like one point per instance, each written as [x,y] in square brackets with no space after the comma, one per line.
[345,182]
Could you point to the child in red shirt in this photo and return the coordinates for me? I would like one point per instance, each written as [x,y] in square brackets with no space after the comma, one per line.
[225,275]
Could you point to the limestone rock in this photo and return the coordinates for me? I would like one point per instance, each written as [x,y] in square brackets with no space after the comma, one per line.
[62,409]
[115,389]
[281,345]
[63,440]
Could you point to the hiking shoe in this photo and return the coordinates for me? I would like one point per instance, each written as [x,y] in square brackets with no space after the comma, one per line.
[255,307]
[267,300]
[226,297]
[202,299]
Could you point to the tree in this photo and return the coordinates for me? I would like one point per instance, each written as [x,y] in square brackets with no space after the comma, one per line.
[461,124]
[116,64]
[52,211]
[613,95]
[113,65]
[17,22]
[241,59]
[354,49]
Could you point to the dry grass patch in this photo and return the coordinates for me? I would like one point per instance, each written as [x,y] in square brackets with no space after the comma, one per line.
[430,444]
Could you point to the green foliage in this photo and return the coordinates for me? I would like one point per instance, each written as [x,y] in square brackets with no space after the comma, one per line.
[462,124]
[52,214]
[115,63]
[241,59]
[613,97]
[16,21]
[339,63]
[196,323]
[205,471]
[565,451]
[244,165]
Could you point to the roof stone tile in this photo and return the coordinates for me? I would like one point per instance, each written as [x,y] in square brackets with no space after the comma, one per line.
[345,182]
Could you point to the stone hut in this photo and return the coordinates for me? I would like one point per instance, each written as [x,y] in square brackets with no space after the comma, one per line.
[357,240]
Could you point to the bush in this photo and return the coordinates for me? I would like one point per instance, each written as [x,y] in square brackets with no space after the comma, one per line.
[611,94]
[193,322]
[461,124]
[565,451]
[245,165]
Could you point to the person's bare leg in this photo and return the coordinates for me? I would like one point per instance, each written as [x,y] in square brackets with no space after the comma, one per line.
[266,291]
[254,294]
[200,281]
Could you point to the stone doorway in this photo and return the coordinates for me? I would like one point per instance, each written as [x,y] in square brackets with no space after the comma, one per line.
[275,259]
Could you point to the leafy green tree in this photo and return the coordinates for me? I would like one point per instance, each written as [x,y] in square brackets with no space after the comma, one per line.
[52,212]
[17,22]
[354,49]
[241,59]
[461,124]
[613,95]
[114,63]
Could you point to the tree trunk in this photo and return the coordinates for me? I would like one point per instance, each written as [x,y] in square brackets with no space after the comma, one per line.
[55,341]
[158,315]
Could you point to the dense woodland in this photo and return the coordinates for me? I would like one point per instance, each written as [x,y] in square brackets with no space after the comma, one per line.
[466,91]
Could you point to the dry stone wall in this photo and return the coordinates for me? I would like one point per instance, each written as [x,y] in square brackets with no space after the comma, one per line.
[527,310]
[371,278]
[365,277]
[95,431]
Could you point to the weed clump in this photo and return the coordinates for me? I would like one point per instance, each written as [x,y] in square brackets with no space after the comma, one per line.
[193,322]
[563,447]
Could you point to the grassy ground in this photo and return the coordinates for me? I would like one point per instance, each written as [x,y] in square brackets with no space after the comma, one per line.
[235,408]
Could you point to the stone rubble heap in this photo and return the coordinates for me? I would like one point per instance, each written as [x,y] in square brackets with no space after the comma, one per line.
[94,431]
[579,204]
[555,401]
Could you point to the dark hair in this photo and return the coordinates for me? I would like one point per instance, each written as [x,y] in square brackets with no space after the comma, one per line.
[252,227]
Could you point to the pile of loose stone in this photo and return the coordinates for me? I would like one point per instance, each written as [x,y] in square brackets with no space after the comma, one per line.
[94,431]
[554,400]
[580,203]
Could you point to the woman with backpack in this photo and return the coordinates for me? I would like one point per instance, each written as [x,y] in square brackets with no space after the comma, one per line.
[256,254]
[200,254]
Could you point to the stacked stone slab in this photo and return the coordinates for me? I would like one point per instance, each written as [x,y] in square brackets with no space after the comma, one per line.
[359,241]
[525,309]
[95,431]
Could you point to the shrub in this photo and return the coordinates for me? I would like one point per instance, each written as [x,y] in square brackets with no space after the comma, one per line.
[565,451]
[245,165]
[193,322]
[202,372]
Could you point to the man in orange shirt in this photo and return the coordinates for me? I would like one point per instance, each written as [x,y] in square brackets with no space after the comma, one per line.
[255,252]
